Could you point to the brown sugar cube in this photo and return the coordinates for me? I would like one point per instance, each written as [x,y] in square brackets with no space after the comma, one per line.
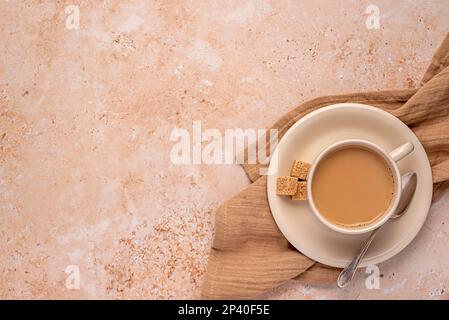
[300,169]
[286,186]
[301,192]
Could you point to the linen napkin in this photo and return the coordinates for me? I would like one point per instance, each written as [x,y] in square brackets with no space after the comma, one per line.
[250,255]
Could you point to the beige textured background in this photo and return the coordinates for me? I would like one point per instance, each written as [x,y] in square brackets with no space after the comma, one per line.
[85,118]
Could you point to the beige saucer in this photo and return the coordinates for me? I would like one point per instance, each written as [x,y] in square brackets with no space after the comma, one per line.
[314,132]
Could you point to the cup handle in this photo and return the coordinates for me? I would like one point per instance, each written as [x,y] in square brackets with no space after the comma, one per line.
[402,151]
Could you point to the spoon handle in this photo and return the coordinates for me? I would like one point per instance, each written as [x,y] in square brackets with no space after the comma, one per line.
[348,272]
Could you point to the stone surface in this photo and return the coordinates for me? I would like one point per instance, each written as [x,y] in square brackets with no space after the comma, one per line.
[86,116]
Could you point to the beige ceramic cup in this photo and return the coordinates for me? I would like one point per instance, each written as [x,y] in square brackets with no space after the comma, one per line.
[390,158]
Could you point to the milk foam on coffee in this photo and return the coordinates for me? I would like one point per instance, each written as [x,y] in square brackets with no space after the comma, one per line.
[352,187]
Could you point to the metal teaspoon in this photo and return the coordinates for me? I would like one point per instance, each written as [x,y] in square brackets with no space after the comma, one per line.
[408,190]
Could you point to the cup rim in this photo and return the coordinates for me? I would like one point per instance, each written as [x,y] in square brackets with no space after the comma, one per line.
[397,186]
